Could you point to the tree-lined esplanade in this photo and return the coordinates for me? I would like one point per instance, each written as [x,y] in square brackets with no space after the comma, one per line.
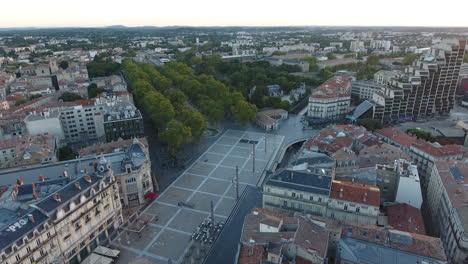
[164,92]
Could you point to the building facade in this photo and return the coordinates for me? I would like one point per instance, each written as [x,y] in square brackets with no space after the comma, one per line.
[65,226]
[427,89]
[446,202]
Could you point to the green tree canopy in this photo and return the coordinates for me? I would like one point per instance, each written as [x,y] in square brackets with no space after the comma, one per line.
[409,58]
[369,124]
[63,65]
[70,97]
[93,90]
[20,101]
[175,135]
[331,56]
[373,59]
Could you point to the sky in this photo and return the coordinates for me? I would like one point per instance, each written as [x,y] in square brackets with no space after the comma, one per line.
[94,13]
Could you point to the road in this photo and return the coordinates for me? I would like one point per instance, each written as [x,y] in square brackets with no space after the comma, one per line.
[225,250]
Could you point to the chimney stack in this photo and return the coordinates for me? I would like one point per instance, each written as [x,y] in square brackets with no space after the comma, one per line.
[41,177]
[65,173]
[57,197]
[88,178]
[35,195]
[95,166]
[31,217]
[19,181]
[365,197]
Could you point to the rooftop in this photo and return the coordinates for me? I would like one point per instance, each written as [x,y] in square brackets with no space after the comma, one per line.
[437,150]
[337,86]
[397,135]
[453,174]
[371,243]
[355,192]
[405,217]
[301,180]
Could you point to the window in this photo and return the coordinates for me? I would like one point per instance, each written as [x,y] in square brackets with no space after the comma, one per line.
[346,207]
[293,194]
[357,209]
[17,257]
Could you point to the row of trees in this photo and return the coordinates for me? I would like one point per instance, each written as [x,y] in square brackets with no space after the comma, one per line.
[212,97]
[175,122]
[164,91]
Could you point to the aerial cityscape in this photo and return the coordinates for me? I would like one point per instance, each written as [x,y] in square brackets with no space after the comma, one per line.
[209,139]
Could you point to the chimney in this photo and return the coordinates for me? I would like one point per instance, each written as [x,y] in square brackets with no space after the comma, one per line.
[88,178]
[31,217]
[86,170]
[95,166]
[15,188]
[33,185]
[35,195]
[341,192]
[364,199]
[57,197]
[77,185]
[19,181]
[65,173]
[41,177]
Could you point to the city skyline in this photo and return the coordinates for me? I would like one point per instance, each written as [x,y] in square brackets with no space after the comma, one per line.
[52,13]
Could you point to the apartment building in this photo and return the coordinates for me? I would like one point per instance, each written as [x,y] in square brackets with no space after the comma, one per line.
[399,183]
[302,191]
[64,226]
[272,237]
[427,88]
[447,204]
[354,202]
[331,100]
[365,89]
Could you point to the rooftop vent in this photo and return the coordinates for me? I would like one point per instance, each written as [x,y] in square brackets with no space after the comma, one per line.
[87,178]
[57,197]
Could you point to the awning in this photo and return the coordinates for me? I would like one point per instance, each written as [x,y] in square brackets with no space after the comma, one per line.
[113,253]
[97,259]
[151,195]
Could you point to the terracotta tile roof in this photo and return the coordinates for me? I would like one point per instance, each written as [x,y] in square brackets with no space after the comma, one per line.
[252,254]
[397,136]
[306,234]
[355,192]
[406,218]
[337,86]
[420,244]
[436,150]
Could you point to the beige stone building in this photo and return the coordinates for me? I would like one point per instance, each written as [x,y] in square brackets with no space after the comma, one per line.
[65,225]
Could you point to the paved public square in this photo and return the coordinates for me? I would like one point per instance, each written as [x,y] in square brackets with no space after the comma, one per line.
[211,178]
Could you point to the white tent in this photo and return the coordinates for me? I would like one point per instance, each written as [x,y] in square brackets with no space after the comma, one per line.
[112,253]
[97,259]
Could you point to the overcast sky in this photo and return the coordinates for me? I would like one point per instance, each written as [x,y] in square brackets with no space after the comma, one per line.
[90,13]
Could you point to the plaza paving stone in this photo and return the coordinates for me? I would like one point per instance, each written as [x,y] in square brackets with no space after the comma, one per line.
[211,158]
[174,196]
[214,186]
[189,181]
[163,213]
[201,201]
[200,168]
[170,244]
[187,220]
[224,173]
[219,149]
